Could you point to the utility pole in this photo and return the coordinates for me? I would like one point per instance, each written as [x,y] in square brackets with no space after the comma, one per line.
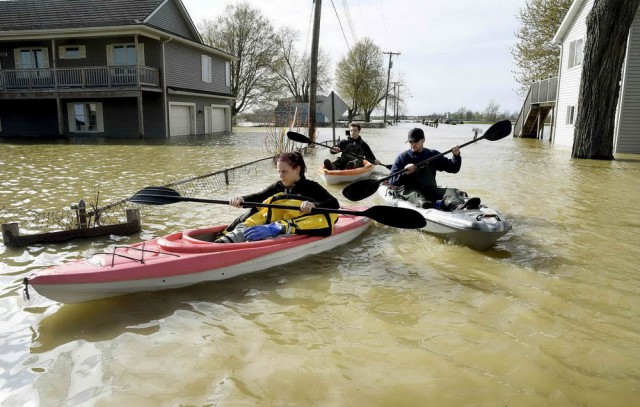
[386,95]
[313,71]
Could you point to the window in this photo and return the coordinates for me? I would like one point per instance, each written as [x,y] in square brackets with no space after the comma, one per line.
[31,58]
[571,110]
[125,54]
[206,68]
[85,117]
[72,51]
[575,52]
[227,73]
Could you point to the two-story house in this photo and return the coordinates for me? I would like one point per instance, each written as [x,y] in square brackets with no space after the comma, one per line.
[109,68]
[571,37]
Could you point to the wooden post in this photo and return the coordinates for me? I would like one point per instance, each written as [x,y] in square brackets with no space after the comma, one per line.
[313,70]
[82,214]
[133,215]
[10,231]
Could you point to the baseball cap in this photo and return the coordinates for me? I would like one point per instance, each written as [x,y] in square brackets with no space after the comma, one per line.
[415,134]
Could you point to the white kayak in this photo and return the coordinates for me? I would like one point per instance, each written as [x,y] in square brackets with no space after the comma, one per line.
[476,228]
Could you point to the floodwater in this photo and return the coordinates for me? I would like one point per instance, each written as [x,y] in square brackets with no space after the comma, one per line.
[550,316]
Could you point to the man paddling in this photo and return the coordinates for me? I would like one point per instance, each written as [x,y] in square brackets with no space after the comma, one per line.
[418,184]
[353,150]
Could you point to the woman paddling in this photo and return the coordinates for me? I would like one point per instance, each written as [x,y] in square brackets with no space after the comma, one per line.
[292,189]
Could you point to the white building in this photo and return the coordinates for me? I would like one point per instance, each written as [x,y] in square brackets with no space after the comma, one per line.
[571,37]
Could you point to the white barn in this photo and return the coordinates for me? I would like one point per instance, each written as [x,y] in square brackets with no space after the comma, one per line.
[571,37]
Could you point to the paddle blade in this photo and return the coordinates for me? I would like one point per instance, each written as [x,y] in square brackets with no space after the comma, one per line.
[358,190]
[300,138]
[403,218]
[498,131]
[156,196]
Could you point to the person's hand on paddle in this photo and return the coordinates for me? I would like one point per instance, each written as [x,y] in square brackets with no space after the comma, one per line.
[236,201]
[456,150]
[409,168]
[335,150]
[261,232]
[307,206]
[377,162]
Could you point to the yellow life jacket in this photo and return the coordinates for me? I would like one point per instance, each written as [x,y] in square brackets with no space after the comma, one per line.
[294,220]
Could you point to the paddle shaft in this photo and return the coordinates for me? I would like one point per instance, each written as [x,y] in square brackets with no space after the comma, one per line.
[174,199]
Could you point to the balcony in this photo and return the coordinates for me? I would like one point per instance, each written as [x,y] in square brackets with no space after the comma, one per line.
[96,77]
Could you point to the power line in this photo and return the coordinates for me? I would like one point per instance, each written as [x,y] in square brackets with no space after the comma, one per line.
[340,23]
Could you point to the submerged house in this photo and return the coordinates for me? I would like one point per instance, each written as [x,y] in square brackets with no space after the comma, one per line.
[571,37]
[109,68]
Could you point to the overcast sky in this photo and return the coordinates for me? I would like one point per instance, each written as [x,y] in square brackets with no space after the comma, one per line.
[454,53]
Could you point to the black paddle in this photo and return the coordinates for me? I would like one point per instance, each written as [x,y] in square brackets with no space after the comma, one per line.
[403,218]
[301,138]
[364,188]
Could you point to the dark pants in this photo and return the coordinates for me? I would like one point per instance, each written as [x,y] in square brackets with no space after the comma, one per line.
[451,197]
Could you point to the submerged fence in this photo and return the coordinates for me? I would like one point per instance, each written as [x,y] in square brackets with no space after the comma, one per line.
[34,221]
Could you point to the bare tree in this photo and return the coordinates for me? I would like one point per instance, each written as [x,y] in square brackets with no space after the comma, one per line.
[534,53]
[360,77]
[608,25]
[244,32]
[293,70]
[491,112]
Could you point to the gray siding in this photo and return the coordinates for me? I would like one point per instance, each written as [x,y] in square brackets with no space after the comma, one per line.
[96,51]
[169,18]
[628,140]
[29,118]
[153,115]
[184,69]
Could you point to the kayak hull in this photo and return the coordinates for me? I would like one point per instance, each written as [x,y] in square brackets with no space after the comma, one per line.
[332,177]
[181,259]
[476,228]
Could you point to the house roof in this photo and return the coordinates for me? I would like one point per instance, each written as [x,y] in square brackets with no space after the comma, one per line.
[16,15]
[567,21]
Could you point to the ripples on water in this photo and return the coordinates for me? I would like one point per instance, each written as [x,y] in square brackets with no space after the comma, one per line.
[549,316]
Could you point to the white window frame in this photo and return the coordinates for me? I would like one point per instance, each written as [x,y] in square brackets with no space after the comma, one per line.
[575,52]
[17,52]
[139,53]
[571,115]
[227,73]
[71,117]
[63,52]
[207,67]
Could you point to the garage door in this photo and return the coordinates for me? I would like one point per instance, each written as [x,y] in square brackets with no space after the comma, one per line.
[218,120]
[214,120]
[180,120]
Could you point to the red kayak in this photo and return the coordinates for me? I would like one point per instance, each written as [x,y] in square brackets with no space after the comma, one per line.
[181,259]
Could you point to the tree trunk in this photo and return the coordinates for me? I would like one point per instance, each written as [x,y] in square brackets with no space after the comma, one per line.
[608,25]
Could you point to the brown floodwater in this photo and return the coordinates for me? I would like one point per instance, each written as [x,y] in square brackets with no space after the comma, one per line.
[549,316]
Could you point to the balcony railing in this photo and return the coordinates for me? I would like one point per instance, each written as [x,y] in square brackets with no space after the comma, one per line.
[85,77]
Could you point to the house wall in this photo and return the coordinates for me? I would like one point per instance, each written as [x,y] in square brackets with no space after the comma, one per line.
[169,18]
[184,69]
[628,125]
[96,51]
[29,118]
[569,81]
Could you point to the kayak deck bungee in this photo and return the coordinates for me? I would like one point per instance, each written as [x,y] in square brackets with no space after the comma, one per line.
[180,259]
[476,228]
